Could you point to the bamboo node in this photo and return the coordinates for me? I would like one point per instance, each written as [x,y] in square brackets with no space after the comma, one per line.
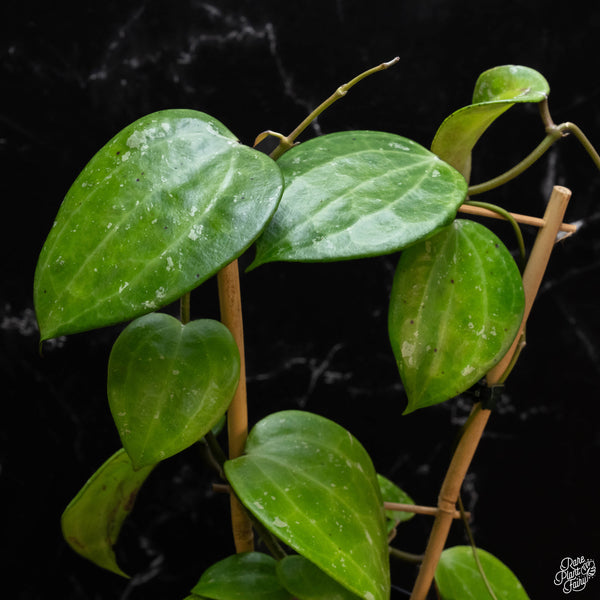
[447,506]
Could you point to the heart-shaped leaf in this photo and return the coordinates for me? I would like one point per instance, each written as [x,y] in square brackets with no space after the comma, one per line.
[169,384]
[459,578]
[164,205]
[496,90]
[245,576]
[305,581]
[356,194]
[92,521]
[456,305]
[312,484]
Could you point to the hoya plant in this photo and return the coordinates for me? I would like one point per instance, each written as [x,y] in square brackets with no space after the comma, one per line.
[172,201]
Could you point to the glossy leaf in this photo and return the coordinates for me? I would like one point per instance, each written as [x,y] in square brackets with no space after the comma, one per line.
[169,384]
[390,492]
[458,577]
[92,521]
[305,581]
[312,484]
[496,90]
[456,306]
[164,205]
[246,576]
[356,194]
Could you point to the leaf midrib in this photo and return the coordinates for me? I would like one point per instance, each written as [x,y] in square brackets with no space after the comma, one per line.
[147,264]
[313,527]
[287,232]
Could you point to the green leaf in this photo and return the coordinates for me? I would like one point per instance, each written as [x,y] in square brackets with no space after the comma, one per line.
[456,306]
[305,581]
[164,205]
[92,521]
[458,577]
[245,576]
[496,90]
[390,492]
[356,194]
[169,384]
[312,484]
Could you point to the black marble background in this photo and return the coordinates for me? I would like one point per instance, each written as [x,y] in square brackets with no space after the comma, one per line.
[72,75]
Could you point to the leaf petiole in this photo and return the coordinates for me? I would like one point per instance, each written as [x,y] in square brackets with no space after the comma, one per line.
[474,549]
[553,134]
[184,308]
[551,137]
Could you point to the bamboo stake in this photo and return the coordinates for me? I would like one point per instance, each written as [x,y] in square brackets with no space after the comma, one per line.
[536,266]
[447,502]
[468,443]
[237,416]
[418,509]
[524,219]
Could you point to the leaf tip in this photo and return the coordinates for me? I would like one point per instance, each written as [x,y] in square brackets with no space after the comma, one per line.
[118,571]
[105,559]
[253,265]
[410,408]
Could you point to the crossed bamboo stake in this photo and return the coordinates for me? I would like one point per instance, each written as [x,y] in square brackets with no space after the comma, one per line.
[446,512]
[467,445]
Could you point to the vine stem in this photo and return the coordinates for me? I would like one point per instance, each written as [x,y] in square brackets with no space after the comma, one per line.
[405,556]
[467,445]
[474,550]
[230,302]
[553,134]
[286,142]
[584,141]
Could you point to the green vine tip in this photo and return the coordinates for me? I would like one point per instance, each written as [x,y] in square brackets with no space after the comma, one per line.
[343,89]
[286,142]
[390,63]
